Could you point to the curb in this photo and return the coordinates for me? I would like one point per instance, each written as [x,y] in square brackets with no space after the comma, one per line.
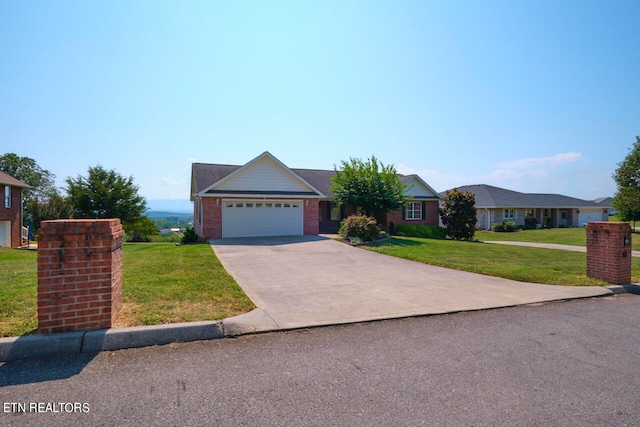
[95,341]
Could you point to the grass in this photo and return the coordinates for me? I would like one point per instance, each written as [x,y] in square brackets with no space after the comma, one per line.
[525,264]
[162,283]
[563,236]
[18,292]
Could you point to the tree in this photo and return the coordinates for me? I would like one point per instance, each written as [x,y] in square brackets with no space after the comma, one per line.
[106,194]
[43,200]
[47,206]
[368,186]
[458,214]
[627,177]
[141,230]
[28,171]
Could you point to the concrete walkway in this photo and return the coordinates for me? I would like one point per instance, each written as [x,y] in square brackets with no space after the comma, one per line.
[310,281]
[550,246]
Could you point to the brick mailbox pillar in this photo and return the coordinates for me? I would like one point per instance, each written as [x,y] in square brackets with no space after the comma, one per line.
[79,274]
[609,251]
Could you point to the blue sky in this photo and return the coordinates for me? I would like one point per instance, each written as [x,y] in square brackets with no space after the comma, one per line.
[537,96]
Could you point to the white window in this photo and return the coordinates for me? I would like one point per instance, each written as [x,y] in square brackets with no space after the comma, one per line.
[413,210]
[7,196]
[509,214]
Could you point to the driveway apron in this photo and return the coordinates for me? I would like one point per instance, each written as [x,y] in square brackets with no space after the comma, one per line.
[307,281]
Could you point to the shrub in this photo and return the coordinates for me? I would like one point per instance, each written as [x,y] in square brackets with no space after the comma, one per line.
[421,230]
[189,236]
[360,227]
[505,226]
[458,214]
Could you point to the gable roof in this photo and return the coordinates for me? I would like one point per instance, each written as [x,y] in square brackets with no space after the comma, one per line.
[252,179]
[205,176]
[488,196]
[7,179]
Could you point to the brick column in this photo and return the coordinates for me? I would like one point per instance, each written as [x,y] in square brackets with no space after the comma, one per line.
[609,251]
[79,274]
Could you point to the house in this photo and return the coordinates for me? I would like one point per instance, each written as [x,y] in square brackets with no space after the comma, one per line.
[494,204]
[607,202]
[12,233]
[266,198]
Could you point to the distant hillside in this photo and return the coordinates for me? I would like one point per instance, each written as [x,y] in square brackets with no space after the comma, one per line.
[170,205]
[167,214]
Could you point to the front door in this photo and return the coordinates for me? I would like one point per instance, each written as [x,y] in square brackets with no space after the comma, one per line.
[564,218]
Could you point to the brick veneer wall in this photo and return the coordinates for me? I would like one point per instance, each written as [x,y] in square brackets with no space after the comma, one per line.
[431,216]
[79,274]
[609,251]
[311,221]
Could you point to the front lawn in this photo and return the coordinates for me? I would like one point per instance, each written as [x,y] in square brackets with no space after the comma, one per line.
[162,283]
[562,236]
[524,264]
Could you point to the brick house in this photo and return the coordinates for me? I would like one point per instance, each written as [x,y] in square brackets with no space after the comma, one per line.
[266,198]
[12,233]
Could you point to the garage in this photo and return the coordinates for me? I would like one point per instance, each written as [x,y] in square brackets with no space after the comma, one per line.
[588,215]
[258,218]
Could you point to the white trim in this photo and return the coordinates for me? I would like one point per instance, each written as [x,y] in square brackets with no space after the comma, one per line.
[297,177]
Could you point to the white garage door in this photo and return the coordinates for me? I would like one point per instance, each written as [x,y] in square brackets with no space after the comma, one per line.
[588,215]
[5,233]
[256,218]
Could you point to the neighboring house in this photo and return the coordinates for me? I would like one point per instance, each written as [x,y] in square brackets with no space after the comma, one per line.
[494,204]
[12,233]
[607,202]
[266,198]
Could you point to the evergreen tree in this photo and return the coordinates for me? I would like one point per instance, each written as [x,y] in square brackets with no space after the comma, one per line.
[458,214]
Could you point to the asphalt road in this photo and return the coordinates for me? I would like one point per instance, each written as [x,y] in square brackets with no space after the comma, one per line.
[558,364]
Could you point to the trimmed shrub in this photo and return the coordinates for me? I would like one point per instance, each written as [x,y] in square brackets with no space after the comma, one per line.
[189,236]
[505,226]
[421,230]
[364,228]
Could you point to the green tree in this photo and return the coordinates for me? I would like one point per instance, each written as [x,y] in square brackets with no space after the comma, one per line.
[106,194]
[369,186]
[458,214]
[627,177]
[51,205]
[28,171]
[43,201]
[141,230]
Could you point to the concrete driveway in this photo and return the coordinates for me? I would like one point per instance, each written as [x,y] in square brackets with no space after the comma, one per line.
[310,281]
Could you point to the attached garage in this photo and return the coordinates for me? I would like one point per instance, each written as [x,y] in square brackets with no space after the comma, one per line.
[257,218]
[587,215]
[262,198]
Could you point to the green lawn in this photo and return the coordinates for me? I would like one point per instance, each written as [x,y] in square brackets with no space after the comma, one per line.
[511,262]
[162,283]
[563,236]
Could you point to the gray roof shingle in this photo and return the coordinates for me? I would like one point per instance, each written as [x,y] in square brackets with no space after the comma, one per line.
[488,196]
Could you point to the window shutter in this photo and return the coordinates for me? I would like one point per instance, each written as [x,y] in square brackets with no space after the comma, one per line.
[424,208]
[404,212]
